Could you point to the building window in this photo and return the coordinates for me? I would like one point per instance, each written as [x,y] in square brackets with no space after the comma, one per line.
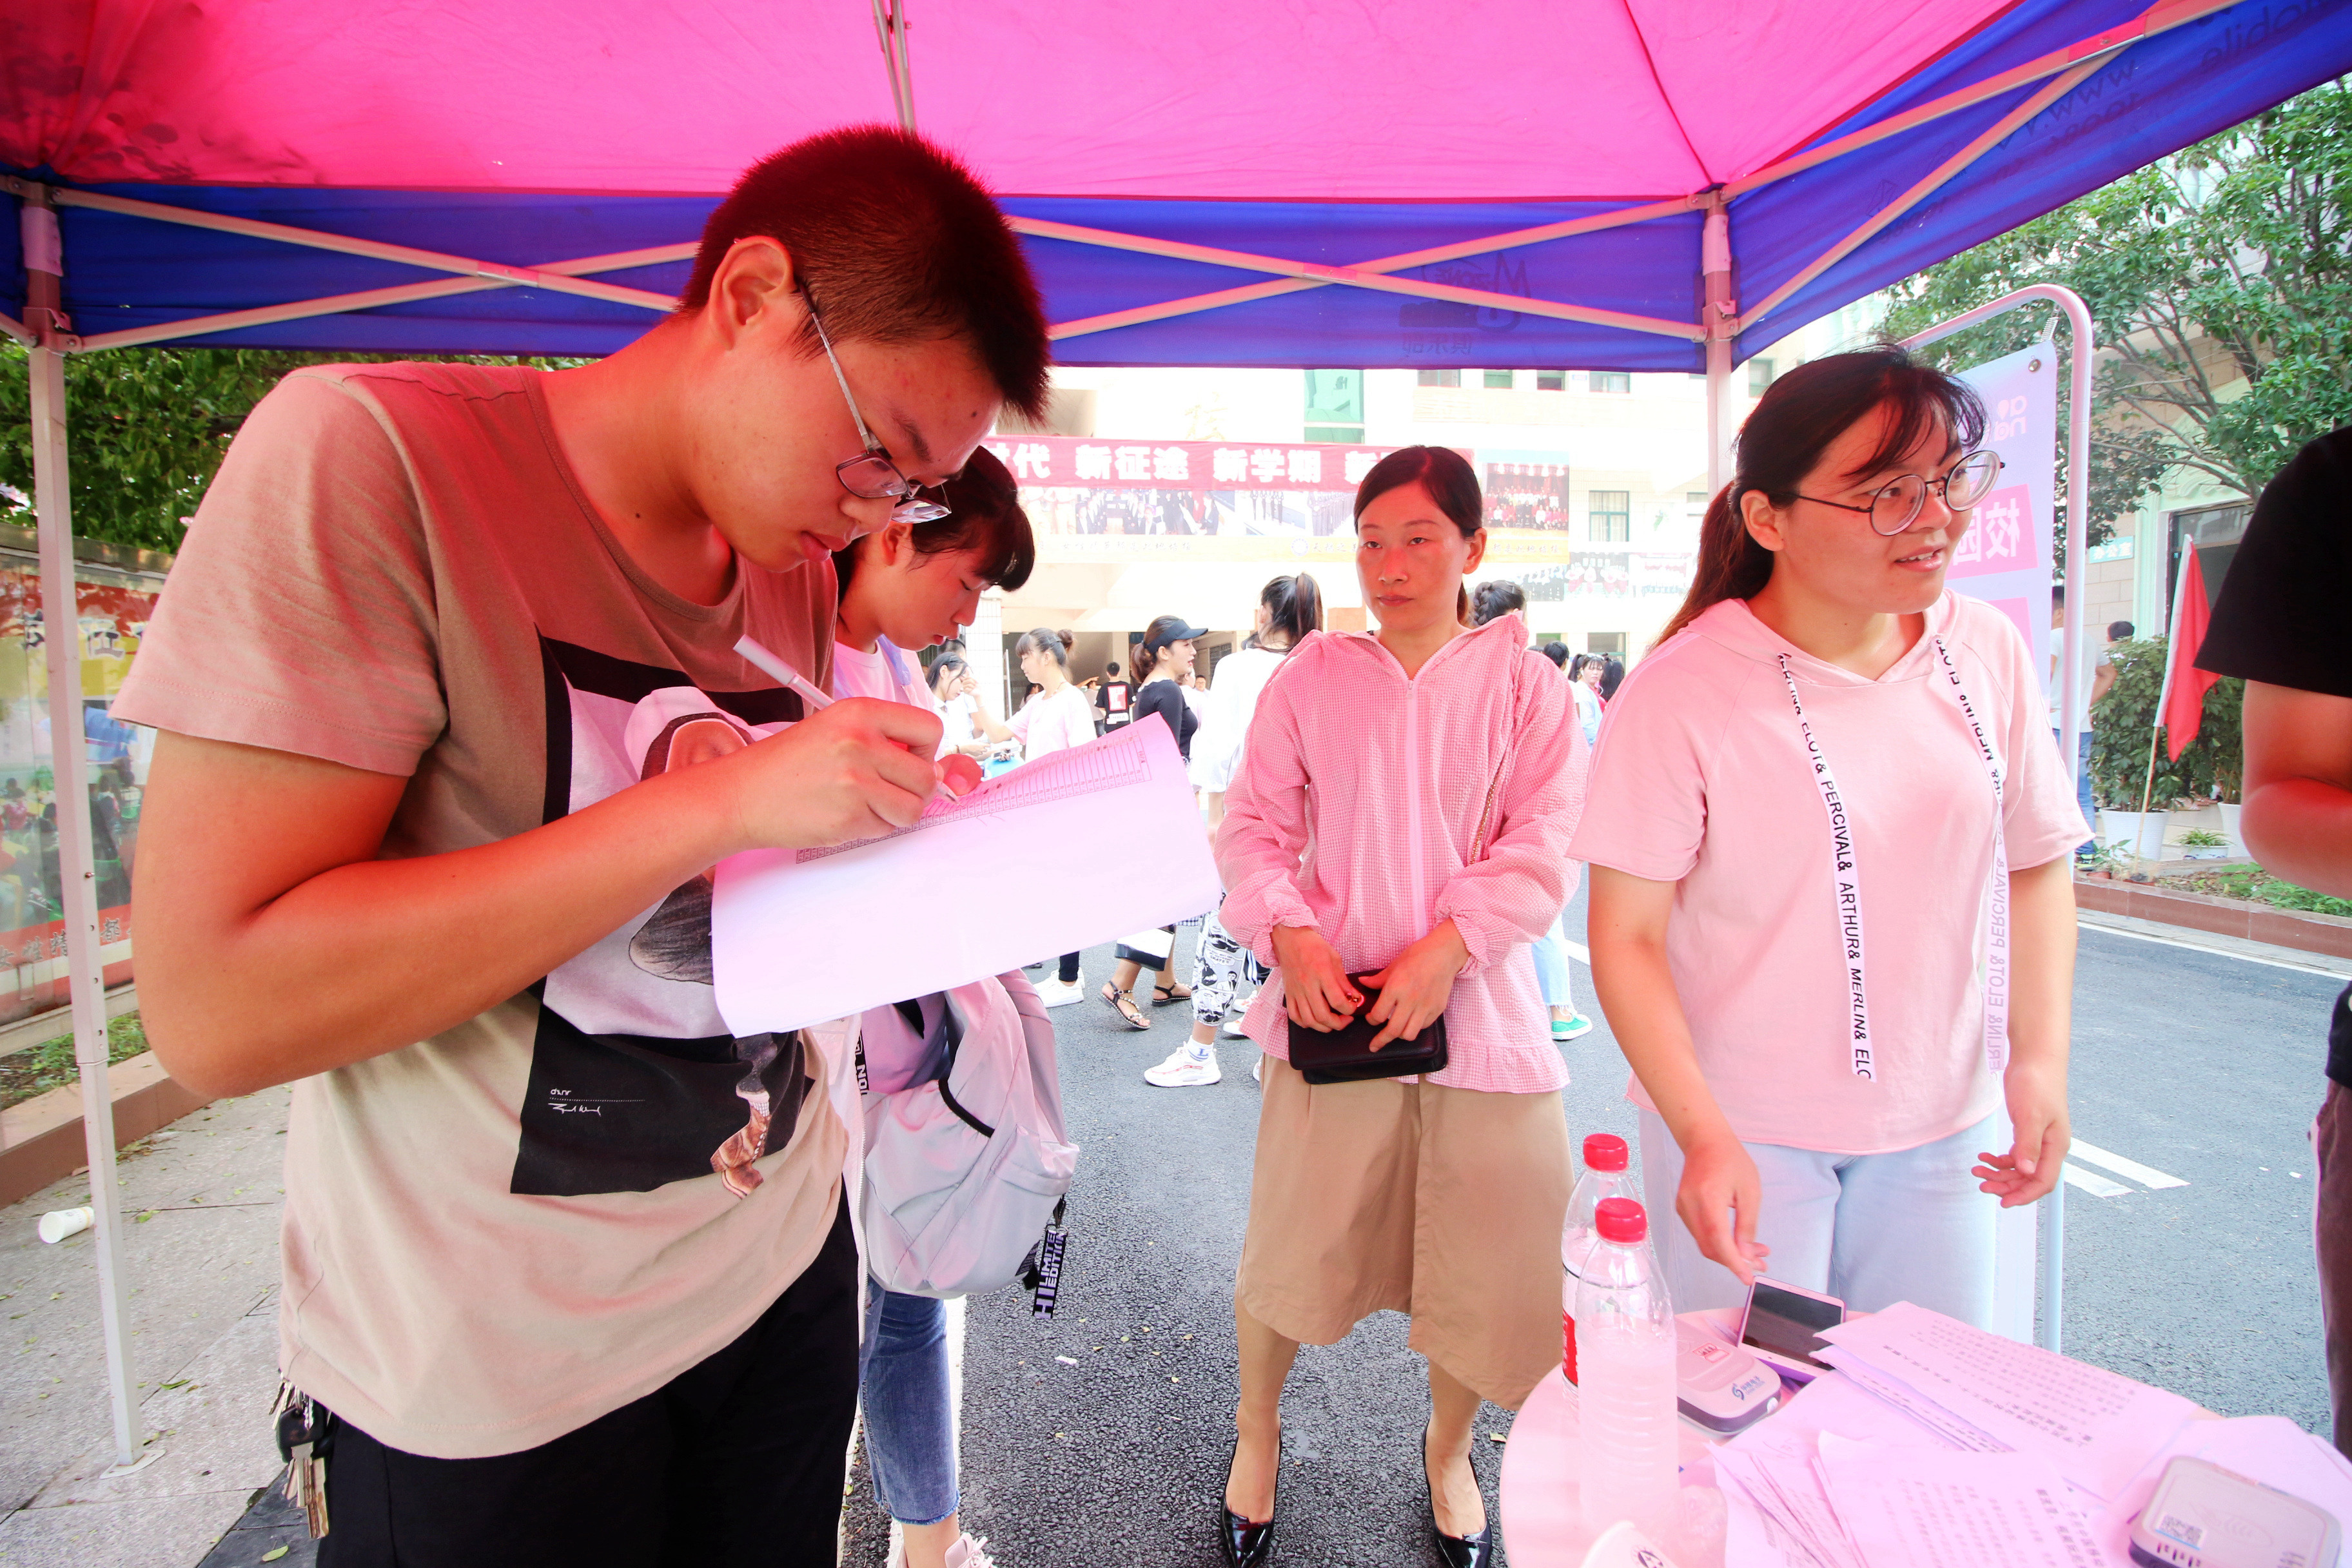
[1441,378]
[1760,376]
[1696,498]
[1500,379]
[1608,516]
[1605,642]
[1611,380]
[1551,381]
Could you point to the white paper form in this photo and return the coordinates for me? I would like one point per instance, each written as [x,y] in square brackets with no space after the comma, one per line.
[1787,1489]
[2099,1428]
[1949,1429]
[1075,849]
[1913,1508]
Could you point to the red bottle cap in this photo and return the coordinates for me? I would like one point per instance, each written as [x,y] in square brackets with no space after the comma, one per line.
[1620,1220]
[1604,1151]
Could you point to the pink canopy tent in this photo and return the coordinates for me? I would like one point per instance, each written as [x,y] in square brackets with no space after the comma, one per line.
[1637,184]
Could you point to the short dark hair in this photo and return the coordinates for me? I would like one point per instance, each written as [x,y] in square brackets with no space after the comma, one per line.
[899,241]
[1111,669]
[2121,631]
[985,515]
[1557,652]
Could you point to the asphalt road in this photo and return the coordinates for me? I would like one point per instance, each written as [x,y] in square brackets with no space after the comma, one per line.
[1101,1436]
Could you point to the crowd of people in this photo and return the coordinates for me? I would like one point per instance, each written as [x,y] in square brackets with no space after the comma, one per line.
[534,1335]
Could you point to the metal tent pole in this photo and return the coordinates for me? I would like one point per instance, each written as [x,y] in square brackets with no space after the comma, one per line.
[1720,317]
[2049,1272]
[69,764]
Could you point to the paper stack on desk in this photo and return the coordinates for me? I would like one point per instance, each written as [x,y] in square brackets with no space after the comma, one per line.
[1075,849]
[1936,1445]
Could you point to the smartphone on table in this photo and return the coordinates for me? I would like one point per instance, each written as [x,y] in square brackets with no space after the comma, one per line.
[1784,1326]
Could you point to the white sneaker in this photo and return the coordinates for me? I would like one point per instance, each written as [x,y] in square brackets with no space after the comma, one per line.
[1257,1069]
[967,1552]
[1182,1070]
[1055,993]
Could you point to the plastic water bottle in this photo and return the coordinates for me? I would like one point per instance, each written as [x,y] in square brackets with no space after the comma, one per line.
[1605,1176]
[1625,1351]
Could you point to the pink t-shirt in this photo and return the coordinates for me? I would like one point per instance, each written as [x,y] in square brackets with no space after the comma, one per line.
[1701,779]
[1047,724]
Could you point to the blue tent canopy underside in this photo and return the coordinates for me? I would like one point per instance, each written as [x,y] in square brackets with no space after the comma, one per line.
[2157,96]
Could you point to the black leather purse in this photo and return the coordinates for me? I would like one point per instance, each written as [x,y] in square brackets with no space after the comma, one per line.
[1345,1055]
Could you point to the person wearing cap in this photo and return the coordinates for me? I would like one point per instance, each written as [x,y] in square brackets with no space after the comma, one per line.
[1162,661]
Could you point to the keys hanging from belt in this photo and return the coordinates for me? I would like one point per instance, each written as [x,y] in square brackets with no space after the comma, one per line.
[305,1435]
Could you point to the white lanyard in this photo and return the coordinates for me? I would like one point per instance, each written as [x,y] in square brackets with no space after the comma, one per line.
[1845,878]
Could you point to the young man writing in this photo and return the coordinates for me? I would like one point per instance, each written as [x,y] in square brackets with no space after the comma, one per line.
[2282,624]
[453,732]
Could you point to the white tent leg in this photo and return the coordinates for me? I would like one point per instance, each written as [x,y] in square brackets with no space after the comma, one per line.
[2051,1273]
[1721,317]
[69,761]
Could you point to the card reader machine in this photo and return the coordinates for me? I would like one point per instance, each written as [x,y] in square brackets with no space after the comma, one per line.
[1718,1384]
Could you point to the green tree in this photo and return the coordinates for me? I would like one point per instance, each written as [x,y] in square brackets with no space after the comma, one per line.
[2219,285]
[145,429]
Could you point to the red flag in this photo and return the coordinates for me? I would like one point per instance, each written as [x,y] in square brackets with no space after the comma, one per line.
[2182,707]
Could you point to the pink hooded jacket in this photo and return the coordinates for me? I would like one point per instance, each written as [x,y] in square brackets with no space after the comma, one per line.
[1355,809]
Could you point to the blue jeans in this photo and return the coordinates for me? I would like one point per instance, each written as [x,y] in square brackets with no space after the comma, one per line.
[2082,786]
[1870,1229]
[903,1383]
[1552,964]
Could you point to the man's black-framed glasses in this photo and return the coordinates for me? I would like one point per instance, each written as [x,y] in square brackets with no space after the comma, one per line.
[871,475]
[1895,505]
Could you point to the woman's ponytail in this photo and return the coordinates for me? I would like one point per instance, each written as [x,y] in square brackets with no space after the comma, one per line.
[1294,607]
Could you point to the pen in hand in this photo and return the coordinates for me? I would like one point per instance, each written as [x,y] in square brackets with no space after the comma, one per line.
[959,774]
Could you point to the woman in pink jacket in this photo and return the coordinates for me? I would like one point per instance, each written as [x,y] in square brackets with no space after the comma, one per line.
[1353,844]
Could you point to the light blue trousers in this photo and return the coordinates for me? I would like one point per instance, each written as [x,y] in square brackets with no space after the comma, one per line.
[1552,964]
[1870,1229]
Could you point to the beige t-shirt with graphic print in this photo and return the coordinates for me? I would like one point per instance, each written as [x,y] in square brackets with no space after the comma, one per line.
[497,1234]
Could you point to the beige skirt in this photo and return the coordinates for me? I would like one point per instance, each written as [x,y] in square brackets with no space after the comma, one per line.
[1446,1204]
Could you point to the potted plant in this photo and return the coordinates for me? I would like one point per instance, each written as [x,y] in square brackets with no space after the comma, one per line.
[2203,846]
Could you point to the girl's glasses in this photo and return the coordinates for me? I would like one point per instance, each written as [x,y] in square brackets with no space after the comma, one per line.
[1895,504]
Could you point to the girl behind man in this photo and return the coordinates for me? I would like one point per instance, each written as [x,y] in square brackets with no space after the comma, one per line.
[1827,833]
[1056,719]
[1403,808]
[905,588]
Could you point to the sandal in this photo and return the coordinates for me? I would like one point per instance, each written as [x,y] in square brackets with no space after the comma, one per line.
[1165,995]
[1123,1004]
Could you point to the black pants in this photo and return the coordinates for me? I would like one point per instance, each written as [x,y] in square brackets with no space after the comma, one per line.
[737,1460]
[1068,973]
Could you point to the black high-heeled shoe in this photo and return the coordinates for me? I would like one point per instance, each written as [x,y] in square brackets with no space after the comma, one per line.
[1458,1551]
[1248,1545]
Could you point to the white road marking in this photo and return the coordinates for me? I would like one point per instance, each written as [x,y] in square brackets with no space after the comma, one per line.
[2144,1175]
[1578,952]
[2097,1186]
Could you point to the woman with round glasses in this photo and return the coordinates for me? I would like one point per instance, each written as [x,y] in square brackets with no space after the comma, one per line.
[1832,916]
